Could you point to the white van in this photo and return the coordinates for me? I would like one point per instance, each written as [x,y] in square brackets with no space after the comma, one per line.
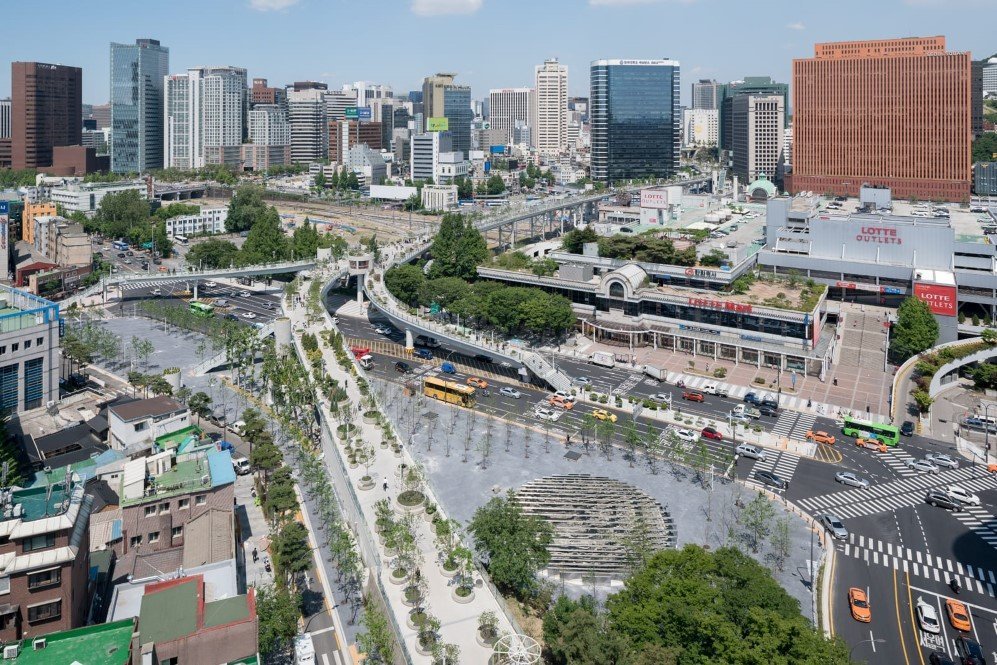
[241,465]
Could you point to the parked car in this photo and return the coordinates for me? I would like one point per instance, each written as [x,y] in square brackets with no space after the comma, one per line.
[770,478]
[943,499]
[927,617]
[750,451]
[403,367]
[858,604]
[833,524]
[850,479]
[241,465]
[711,433]
[907,428]
[969,651]
[510,392]
[922,465]
[425,354]
[941,460]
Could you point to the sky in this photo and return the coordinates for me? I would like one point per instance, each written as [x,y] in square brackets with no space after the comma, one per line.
[489,43]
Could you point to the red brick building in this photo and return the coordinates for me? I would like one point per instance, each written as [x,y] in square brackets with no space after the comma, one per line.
[355,133]
[46,111]
[893,112]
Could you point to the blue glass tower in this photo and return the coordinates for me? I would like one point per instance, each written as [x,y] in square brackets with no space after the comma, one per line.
[137,72]
[635,119]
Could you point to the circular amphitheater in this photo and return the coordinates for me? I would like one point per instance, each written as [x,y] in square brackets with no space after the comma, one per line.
[596,521]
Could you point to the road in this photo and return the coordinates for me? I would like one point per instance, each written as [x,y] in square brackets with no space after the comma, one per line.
[241,303]
[898,548]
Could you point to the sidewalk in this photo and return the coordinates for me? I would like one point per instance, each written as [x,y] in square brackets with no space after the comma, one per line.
[458,620]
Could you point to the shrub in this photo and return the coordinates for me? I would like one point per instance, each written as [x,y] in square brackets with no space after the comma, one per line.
[720,372]
[759,380]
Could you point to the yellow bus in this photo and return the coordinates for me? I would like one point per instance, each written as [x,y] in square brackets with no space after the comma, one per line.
[448,391]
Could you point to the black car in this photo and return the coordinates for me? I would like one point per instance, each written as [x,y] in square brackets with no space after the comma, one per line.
[943,499]
[482,358]
[907,428]
[770,402]
[231,317]
[403,367]
[940,658]
[768,410]
[770,478]
[121,255]
[970,652]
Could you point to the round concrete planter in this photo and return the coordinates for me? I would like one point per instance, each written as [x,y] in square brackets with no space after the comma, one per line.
[462,599]
[424,651]
[397,580]
[430,516]
[390,552]
[397,452]
[407,602]
[412,509]
[448,573]
[370,420]
[411,624]
[487,642]
[367,484]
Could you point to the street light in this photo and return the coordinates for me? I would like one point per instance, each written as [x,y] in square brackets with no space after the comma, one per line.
[878,640]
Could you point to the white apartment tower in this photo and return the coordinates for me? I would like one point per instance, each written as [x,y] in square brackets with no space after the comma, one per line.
[700,128]
[550,126]
[204,117]
[506,107]
[268,125]
[758,136]
[181,125]
[307,113]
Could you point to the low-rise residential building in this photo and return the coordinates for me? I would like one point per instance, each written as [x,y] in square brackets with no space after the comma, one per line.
[367,164]
[207,220]
[105,643]
[68,244]
[31,212]
[85,197]
[439,197]
[145,420]
[451,165]
[44,559]
[29,351]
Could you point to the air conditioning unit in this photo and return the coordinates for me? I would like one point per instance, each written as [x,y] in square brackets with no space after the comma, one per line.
[11,651]
[38,643]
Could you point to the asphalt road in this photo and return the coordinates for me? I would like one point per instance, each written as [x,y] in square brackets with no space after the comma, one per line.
[899,548]
[244,302]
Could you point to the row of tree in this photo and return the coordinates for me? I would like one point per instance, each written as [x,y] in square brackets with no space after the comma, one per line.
[127,215]
[648,247]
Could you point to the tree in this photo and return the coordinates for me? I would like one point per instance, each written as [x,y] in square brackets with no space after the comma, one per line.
[245,208]
[495,185]
[266,241]
[757,516]
[916,329]
[200,405]
[290,548]
[985,147]
[278,610]
[989,336]
[575,633]
[160,386]
[120,214]
[574,240]
[376,641]
[465,188]
[458,248]
[304,242]
[212,253]
[320,180]
[405,283]
[715,258]
[513,545]
[781,542]
[161,240]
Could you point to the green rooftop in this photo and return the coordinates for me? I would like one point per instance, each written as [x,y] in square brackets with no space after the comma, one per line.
[36,503]
[175,439]
[183,478]
[225,611]
[170,613]
[248,660]
[102,644]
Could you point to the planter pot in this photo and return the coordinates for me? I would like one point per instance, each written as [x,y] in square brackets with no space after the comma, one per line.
[353,464]
[398,452]
[411,624]
[424,650]
[430,516]
[370,420]
[397,580]
[366,484]
[487,642]
[390,552]
[414,509]
[448,573]
[410,603]
[462,599]
[384,445]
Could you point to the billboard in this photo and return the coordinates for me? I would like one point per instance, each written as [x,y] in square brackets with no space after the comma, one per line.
[4,212]
[351,113]
[497,149]
[363,113]
[438,124]
[940,298]
[654,198]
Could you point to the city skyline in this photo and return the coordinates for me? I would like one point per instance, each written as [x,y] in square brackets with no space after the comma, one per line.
[451,34]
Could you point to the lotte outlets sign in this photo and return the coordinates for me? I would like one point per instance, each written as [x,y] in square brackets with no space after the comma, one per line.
[942,299]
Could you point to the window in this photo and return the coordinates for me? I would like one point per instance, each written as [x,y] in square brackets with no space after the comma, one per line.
[5,584]
[154,537]
[44,578]
[164,507]
[177,531]
[14,347]
[135,541]
[39,542]
[139,427]
[27,344]
[200,500]
[45,611]
[33,383]
[39,341]
[150,511]
[183,504]
[3,349]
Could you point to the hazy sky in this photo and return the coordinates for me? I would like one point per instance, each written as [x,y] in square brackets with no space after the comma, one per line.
[490,43]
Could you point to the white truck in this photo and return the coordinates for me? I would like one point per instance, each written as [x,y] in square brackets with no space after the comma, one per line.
[743,410]
[656,373]
[714,389]
[603,358]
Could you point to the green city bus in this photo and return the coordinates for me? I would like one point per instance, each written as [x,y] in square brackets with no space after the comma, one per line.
[202,309]
[863,429]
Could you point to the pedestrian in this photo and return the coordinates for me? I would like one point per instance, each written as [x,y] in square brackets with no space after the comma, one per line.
[385,485]
[809,403]
[835,381]
[867,409]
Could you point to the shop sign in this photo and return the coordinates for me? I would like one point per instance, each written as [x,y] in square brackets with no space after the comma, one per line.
[893,290]
[845,285]
[720,304]
[880,235]
[697,272]
[940,298]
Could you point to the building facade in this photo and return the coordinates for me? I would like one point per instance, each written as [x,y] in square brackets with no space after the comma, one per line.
[442,98]
[758,136]
[85,197]
[439,197]
[507,106]
[137,73]
[261,93]
[425,152]
[550,123]
[46,111]
[29,351]
[337,101]
[846,136]
[750,85]
[307,115]
[205,117]
[141,422]
[5,118]
[985,178]
[635,119]
[989,76]
[208,220]
[31,212]
[699,128]
[345,134]
[705,94]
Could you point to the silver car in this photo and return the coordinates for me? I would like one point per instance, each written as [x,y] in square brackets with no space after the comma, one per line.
[922,465]
[750,451]
[833,524]
[849,478]
[510,392]
[942,460]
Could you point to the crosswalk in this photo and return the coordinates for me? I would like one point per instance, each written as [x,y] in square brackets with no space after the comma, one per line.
[794,425]
[922,564]
[980,522]
[782,464]
[897,459]
[147,284]
[903,493]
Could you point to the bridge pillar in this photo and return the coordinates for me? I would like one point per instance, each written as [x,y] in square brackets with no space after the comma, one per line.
[195,290]
[105,292]
[360,278]
[409,340]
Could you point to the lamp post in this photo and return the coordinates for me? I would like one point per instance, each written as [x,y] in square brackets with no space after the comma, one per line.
[873,641]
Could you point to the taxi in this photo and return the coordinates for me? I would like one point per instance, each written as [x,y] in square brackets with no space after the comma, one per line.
[858,603]
[958,615]
[602,414]
[476,382]
[820,437]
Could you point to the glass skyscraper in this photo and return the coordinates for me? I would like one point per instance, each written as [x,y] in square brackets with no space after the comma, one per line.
[137,73]
[457,109]
[635,119]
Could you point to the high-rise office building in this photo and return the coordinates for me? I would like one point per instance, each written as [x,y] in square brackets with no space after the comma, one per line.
[261,93]
[441,97]
[4,118]
[268,125]
[751,85]
[345,134]
[337,101]
[365,92]
[506,107]
[46,111]
[102,115]
[989,79]
[137,74]
[205,117]
[307,113]
[758,136]
[550,123]
[635,119]
[857,119]
[705,94]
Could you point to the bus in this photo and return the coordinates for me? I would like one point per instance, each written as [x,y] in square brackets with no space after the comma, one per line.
[119,245]
[202,309]
[863,429]
[180,239]
[448,391]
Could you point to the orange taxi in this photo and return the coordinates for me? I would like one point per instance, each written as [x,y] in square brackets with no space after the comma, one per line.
[871,444]
[958,615]
[475,382]
[560,402]
[820,437]
[858,603]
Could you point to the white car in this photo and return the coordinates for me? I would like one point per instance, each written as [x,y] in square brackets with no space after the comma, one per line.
[211,285]
[849,478]
[942,460]
[922,465]
[157,292]
[510,392]
[583,381]
[686,435]
[248,315]
[661,397]
[568,397]
[382,330]
[221,302]
[739,417]
[963,495]
[927,617]
[244,294]
[547,414]
[750,451]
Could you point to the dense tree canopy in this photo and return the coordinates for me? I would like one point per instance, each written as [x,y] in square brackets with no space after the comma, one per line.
[266,241]
[458,248]
[213,253]
[916,330]
[245,208]
[405,283]
[574,241]
[691,606]
[512,544]
[985,147]
[646,247]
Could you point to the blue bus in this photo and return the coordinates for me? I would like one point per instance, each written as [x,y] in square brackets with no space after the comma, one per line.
[119,245]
